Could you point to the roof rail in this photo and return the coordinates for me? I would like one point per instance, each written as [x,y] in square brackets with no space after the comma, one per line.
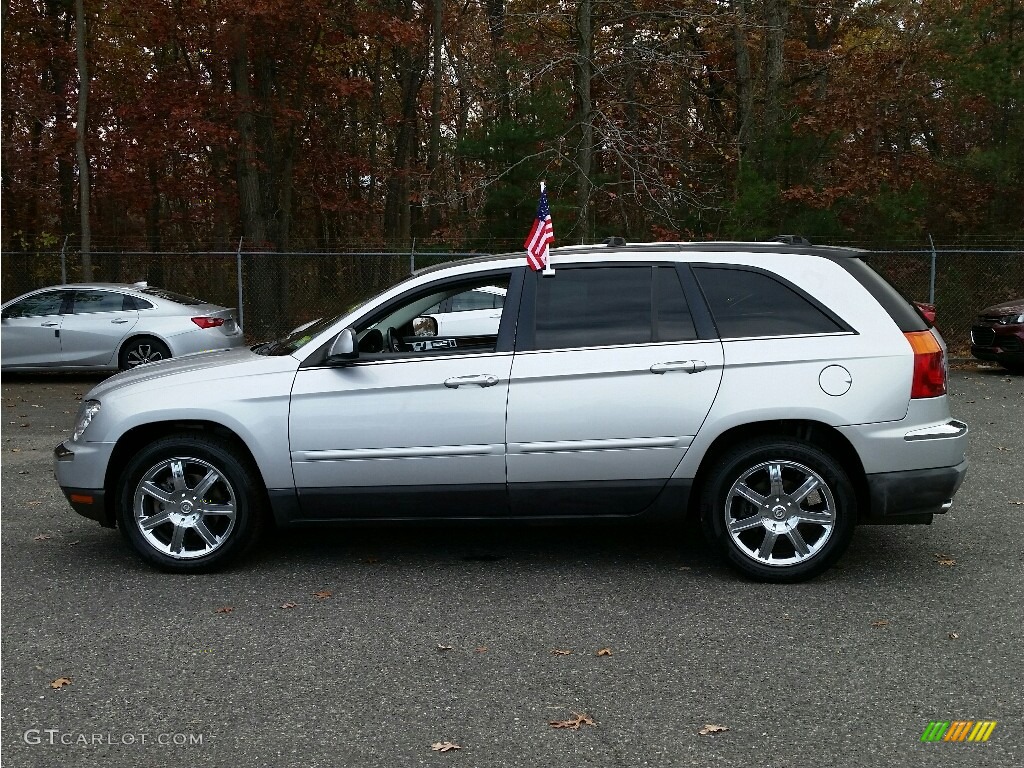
[790,240]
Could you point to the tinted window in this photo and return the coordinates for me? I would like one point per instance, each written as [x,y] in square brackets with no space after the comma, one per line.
[37,305]
[594,307]
[134,302]
[746,303]
[674,322]
[179,298]
[100,301]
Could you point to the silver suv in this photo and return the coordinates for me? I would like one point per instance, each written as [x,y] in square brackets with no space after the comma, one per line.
[786,393]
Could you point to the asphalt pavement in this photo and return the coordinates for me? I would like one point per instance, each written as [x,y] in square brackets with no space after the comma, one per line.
[368,646]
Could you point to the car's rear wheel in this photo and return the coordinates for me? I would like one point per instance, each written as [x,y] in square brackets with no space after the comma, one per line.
[190,503]
[781,510]
[142,350]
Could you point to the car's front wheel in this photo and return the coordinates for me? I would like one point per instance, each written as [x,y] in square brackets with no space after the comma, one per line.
[781,510]
[190,503]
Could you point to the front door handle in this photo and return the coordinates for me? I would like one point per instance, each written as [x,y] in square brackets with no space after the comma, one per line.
[690,366]
[120,322]
[49,325]
[482,379]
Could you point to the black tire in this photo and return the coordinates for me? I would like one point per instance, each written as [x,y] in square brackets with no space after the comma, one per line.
[780,510]
[141,350]
[190,503]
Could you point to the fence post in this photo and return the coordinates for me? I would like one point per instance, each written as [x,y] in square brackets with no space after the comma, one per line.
[412,257]
[64,261]
[238,280]
[931,281]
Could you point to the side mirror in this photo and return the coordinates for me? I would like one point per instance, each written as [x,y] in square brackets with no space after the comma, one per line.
[424,326]
[344,348]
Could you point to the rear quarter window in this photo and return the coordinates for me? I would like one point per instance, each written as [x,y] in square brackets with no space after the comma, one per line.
[747,303]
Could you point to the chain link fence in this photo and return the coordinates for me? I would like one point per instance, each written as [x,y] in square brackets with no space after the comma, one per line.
[277,292]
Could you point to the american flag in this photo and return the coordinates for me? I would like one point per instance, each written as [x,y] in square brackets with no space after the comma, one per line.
[542,234]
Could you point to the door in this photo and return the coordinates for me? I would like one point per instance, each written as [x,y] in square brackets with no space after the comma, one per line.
[609,386]
[415,427]
[31,330]
[92,333]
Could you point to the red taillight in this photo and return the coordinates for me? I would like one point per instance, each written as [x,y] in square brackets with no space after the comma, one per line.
[929,365]
[208,322]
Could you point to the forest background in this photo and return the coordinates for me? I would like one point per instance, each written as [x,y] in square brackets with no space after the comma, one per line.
[319,126]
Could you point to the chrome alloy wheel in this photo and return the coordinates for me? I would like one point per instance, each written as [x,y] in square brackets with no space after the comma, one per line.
[185,508]
[780,513]
[143,353]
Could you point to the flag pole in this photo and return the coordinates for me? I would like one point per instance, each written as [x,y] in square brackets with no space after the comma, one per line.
[548,268]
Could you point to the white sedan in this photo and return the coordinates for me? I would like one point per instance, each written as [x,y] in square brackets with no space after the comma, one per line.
[109,326]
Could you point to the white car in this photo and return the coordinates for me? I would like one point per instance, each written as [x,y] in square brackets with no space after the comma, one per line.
[109,326]
[476,312]
[783,393]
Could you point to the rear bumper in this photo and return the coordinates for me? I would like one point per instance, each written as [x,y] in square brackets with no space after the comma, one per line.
[912,496]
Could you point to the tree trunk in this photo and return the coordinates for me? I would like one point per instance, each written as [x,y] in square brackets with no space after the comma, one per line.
[434,150]
[584,81]
[80,149]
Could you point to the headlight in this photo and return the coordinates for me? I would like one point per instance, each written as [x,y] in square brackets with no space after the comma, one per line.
[1018,320]
[85,416]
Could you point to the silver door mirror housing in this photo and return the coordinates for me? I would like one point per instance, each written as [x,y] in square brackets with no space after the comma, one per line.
[425,325]
[344,348]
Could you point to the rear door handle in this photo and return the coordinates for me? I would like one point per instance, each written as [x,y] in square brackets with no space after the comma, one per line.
[482,379]
[119,322]
[49,325]
[690,366]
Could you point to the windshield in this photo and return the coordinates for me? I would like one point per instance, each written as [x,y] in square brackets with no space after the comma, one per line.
[297,339]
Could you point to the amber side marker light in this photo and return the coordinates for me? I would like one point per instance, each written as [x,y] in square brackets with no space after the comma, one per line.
[79,498]
[929,365]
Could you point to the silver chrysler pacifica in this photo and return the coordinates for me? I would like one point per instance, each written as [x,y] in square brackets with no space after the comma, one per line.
[783,393]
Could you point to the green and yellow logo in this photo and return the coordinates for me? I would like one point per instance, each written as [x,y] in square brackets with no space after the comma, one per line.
[958,730]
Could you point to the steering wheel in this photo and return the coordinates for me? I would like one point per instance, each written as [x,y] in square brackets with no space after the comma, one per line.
[394,342]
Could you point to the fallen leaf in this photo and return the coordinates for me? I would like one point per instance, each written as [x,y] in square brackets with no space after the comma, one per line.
[445,648]
[60,682]
[74,543]
[15,450]
[954,636]
[1018,503]
[944,559]
[574,723]
[444,746]
[323,594]
[224,609]
[23,426]
[710,728]
[561,652]
[880,623]
[287,605]
[371,560]
[34,503]
[41,537]
[481,649]
[604,652]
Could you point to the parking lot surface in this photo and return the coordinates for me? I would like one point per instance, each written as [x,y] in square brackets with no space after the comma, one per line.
[370,646]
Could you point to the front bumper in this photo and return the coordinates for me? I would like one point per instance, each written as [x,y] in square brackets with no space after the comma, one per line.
[80,470]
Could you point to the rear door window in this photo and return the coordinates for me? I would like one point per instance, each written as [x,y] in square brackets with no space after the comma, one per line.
[604,306]
[87,302]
